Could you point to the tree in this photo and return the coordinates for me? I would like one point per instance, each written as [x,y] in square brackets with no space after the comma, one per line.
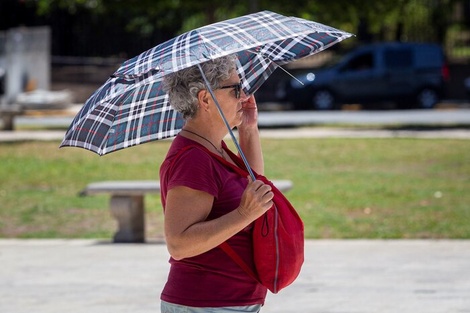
[370,20]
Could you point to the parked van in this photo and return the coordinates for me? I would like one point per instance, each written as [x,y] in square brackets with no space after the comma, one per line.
[405,74]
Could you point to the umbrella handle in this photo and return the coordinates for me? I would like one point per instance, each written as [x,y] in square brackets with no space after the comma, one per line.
[235,141]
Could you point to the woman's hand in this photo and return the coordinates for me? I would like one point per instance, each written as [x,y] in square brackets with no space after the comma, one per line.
[250,113]
[256,199]
[249,134]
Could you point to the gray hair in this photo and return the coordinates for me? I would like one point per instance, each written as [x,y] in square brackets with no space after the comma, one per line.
[183,86]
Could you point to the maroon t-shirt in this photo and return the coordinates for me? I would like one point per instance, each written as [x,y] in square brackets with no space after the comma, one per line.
[211,279]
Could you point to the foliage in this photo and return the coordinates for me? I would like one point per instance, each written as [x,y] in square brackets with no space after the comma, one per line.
[424,20]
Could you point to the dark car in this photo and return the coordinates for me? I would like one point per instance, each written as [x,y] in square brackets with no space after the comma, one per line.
[406,74]
[2,81]
[467,86]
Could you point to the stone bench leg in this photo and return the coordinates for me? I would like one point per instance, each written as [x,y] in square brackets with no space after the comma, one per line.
[8,122]
[129,212]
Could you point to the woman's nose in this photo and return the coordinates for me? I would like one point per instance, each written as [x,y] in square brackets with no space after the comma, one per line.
[243,95]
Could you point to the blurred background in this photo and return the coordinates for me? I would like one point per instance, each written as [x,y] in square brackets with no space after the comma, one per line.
[57,52]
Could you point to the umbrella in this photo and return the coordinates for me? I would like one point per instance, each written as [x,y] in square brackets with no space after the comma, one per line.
[131,107]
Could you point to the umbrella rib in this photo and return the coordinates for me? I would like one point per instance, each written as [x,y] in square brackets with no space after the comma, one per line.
[283,69]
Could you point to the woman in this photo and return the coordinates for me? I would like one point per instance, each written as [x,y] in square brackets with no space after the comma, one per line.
[205,203]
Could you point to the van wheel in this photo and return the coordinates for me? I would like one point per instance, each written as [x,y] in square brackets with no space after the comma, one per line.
[427,98]
[323,100]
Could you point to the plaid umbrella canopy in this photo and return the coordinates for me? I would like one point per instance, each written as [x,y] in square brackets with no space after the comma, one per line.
[131,108]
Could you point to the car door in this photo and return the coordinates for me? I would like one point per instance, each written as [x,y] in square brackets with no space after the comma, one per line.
[398,62]
[358,78]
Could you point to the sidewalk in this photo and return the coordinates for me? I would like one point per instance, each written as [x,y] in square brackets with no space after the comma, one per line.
[439,123]
[302,132]
[339,276]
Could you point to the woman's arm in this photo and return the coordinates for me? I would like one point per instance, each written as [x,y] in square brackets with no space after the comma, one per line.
[249,138]
[188,233]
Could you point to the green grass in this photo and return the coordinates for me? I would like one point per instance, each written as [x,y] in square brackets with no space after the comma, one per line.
[343,188]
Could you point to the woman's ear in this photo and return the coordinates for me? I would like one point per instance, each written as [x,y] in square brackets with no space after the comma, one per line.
[203,99]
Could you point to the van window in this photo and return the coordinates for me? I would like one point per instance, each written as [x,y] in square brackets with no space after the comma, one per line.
[398,58]
[361,62]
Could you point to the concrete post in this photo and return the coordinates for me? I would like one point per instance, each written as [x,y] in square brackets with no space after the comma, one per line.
[129,212]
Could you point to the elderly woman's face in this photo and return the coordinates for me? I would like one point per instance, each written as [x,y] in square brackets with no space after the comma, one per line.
[230,96]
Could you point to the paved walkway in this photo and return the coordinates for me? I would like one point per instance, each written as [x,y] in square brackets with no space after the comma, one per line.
[339,276]
[443,117]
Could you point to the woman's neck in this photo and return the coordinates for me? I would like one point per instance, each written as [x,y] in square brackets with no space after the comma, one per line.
[208,130]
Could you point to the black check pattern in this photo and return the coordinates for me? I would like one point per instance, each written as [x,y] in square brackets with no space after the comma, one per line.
[131,108]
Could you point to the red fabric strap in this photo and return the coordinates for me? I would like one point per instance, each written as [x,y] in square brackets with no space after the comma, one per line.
[237,259]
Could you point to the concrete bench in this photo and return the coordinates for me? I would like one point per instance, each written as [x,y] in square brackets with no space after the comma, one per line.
[127,204]
[8,113]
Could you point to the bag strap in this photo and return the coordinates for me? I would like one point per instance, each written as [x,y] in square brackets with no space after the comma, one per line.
[238,260]
[241,170]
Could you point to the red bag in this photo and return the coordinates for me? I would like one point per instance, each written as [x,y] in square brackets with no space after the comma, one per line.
[278,240]
[278,236]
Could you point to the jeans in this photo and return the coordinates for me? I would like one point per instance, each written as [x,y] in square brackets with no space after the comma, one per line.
[167,307]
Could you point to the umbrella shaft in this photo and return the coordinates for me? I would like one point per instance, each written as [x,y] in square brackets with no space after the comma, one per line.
[235,141]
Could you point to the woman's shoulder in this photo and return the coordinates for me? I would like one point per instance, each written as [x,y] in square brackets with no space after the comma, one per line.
[187,164]
[183,147]
[184,152]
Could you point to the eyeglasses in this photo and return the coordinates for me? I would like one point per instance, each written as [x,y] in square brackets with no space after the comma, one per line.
[237,87]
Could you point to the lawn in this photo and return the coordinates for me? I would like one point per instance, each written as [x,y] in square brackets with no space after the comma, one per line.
[343,188]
